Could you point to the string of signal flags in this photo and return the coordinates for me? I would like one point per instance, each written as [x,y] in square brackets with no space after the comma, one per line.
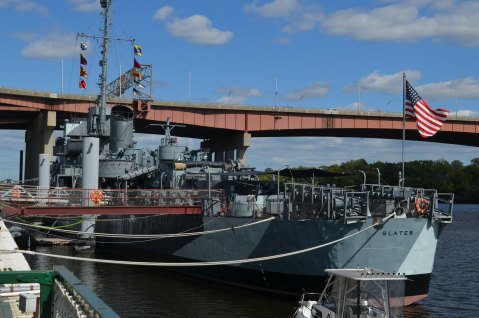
[136,71]
[83,61]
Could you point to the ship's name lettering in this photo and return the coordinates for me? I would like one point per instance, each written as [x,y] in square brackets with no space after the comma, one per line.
[397,233]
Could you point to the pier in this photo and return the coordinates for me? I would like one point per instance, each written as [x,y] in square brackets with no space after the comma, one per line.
[10,293]
[47,293]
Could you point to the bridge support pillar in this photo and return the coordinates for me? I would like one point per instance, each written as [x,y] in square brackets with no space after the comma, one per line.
[225,148]
[39,139]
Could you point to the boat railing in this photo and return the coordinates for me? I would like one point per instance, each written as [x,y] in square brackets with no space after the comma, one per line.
[331,202]
[442,207]
[356,207]
[326,201]
[380,190]
[61,293]
[29,196]
[389,192]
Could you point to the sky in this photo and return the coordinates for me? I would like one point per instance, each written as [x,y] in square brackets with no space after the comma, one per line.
[291,53]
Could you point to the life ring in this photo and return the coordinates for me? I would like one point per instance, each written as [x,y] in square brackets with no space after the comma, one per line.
[96,196]
[421,205]
[16,193]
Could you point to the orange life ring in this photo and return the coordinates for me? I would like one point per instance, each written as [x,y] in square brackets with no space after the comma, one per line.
[96,196]
[16,193]
[421,205]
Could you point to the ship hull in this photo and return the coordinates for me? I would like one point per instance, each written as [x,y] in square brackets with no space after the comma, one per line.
[402,245]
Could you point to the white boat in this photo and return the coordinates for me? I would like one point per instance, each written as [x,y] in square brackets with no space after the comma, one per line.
[360,293]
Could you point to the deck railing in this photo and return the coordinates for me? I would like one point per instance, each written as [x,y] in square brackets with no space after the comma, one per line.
[29,196]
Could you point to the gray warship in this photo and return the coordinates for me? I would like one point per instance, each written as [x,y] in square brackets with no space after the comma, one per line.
[219,221]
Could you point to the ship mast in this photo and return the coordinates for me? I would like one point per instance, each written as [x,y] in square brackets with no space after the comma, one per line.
[105,4]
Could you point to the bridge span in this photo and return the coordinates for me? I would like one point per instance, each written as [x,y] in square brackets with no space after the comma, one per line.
[206,121]
[219,125]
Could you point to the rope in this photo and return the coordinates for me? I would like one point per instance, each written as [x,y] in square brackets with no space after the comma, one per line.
[152,239]
[116,242]
[206,263]
[68,218]
[143,235]
[53,227]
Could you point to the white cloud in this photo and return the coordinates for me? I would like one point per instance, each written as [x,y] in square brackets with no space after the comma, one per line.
[387,23]
[466,113]
[464,88]
[240,91]
[300,17]
[54,45]
[401,21]
[28,6]
[275,8]
[312,91]
[85,5]
[24,36]
[304,21]
[407,23]
[283,40]
[384,83]
[25,6]
[237,94]
[163,13]
[198,29]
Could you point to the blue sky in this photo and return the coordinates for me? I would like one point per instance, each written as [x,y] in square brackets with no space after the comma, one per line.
[321,54]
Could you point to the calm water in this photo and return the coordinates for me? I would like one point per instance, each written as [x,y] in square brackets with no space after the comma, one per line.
[151,292]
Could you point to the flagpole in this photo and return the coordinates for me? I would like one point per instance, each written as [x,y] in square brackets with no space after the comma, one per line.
[403,127]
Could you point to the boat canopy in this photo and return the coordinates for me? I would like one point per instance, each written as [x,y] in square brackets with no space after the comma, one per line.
[364,292]
[364,274]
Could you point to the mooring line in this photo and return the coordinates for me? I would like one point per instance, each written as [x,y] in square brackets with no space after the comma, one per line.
[144,235]
[206,263]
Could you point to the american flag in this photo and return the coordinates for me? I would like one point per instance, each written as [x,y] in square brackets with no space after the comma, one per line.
[429,121]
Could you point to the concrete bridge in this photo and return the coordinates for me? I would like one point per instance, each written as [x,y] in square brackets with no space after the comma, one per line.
[223,127]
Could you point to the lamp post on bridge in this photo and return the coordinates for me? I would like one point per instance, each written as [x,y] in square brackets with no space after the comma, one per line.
[61,72]
[387,104]
[189,83]
[359,95]
[62,76]
[456,106]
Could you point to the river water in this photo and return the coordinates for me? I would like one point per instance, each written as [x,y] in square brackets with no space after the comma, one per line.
[134,291]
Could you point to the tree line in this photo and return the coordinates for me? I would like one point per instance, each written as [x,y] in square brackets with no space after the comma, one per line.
[446,177]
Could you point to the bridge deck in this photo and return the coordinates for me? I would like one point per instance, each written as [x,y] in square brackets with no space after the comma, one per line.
[208,120]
